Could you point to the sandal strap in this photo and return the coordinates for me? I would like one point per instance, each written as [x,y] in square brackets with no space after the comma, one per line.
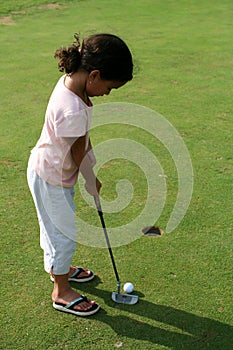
[77,272]
[76,302]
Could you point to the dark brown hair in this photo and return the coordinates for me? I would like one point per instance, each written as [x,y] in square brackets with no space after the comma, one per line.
[105,52]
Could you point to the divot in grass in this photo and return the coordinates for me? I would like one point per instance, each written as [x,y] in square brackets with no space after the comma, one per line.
[7,21]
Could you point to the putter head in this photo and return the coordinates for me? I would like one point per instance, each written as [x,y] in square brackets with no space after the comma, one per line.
[129,299]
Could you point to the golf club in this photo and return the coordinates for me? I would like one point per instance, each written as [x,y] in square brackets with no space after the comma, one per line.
[118,297]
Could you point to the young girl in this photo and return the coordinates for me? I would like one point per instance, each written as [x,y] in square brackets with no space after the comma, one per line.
[103,62]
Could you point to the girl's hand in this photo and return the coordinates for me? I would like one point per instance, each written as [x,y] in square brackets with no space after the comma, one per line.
[94,190]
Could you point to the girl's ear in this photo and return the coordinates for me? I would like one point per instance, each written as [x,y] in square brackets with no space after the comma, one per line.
[94,74]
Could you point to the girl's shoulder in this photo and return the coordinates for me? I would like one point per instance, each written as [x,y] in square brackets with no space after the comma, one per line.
[64,100]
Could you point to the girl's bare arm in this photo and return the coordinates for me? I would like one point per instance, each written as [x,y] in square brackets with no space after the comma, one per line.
[84,164]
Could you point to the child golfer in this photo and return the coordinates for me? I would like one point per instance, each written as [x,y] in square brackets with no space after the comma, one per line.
[101,63]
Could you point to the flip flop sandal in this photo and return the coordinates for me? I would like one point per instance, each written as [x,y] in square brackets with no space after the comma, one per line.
[75,276]
[69,308]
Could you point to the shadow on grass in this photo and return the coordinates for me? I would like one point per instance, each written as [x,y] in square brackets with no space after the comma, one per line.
[190,332]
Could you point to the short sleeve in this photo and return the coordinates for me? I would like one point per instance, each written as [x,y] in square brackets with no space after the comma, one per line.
[71,125]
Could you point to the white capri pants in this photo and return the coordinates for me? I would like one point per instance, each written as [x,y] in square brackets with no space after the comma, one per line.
[55,211]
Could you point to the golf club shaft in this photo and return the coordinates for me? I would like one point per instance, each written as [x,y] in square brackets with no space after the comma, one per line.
[100,212]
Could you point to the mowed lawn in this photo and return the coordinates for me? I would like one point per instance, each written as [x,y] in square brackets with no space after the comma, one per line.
[183,57]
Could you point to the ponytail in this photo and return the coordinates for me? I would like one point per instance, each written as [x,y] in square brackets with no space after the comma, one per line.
[69,58]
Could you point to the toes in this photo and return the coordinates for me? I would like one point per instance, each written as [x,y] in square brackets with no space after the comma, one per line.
[85,305]
[85,273]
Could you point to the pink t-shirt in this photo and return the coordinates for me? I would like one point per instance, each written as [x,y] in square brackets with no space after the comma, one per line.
[67,118]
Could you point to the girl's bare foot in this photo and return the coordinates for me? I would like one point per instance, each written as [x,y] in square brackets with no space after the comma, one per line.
[84,273]
[77,274]
[68,296]
[68,300]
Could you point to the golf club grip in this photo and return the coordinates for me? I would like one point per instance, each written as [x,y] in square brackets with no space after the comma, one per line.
[99,209]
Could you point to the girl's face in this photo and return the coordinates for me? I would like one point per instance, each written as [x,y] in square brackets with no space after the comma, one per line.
[96,86]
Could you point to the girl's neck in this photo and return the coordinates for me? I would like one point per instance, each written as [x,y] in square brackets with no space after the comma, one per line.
[76,82]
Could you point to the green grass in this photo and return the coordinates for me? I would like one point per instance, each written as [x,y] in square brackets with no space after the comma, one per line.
[15,6]
[183,57]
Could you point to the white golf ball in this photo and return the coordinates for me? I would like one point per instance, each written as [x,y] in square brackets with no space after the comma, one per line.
[128,287]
